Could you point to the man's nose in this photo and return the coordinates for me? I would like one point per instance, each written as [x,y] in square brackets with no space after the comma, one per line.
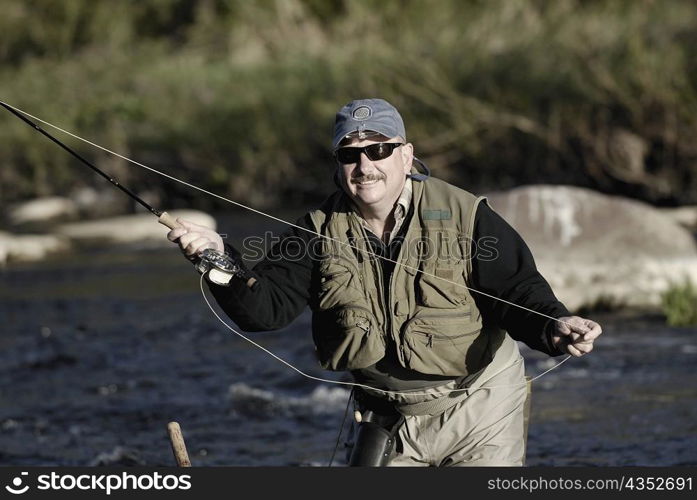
[364,163]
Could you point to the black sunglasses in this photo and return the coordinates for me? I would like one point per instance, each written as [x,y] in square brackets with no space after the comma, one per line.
[374,152]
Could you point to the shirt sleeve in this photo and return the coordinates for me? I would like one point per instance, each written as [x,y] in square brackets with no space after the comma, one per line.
[282,290]
[503,267]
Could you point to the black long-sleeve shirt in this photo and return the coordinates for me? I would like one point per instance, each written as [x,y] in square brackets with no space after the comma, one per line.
[285,285]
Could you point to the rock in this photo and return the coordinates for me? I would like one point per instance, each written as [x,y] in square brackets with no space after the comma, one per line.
[627,153]
[119,456]
[685,216]
[595,248]
[86,198]
[42,210]
[28,247]
[95,204]
[591,225]
[129,228]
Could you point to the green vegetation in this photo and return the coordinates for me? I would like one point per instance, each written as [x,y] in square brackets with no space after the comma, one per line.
[239,96]
[603,303]
[679,304]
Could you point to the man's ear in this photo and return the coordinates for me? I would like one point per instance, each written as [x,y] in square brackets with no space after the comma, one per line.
[337,179]
[407,156]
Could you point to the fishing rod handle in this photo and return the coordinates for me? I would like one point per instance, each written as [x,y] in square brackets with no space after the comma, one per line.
[178,445]
[169,221]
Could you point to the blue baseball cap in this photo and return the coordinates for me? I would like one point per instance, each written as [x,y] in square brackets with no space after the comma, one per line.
[368,115]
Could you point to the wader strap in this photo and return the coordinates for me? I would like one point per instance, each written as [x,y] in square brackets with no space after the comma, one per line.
[434,406]
[465,387]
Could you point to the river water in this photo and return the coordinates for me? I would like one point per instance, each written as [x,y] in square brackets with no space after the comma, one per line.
[102,348]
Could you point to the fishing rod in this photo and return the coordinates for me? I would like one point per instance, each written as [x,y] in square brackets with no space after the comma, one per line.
[162,217]
[218,266]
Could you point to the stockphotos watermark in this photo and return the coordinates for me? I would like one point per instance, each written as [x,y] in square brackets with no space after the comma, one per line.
[443,245]
[107,483]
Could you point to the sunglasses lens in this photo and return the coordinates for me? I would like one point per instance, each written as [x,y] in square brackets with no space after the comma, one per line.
[374,152]
[378,151]
[348,155]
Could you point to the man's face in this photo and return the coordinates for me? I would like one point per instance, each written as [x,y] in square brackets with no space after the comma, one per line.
[375,185]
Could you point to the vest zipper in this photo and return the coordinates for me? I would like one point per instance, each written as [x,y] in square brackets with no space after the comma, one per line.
[367,321]
[365,329]
[381,278]
[388,307]
[438,316]
[430,336]
[384,296]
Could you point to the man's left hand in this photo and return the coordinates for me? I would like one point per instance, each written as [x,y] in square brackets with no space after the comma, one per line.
[575,335]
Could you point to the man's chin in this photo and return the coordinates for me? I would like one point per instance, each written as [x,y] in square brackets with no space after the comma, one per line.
[366,199]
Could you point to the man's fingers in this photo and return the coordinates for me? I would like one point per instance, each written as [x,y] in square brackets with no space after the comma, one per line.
[578,325]
[187,238]
[176,233]
[573,351]
[192,226]
[562,327]
[184,223]
[594,331]
[583,347]
[197,246]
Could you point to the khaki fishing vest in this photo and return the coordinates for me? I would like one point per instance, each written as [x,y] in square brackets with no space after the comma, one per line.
[428,313]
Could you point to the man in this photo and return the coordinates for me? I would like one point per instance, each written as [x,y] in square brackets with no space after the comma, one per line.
[419,289]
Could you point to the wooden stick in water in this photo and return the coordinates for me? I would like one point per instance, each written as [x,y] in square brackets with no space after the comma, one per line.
[178,446]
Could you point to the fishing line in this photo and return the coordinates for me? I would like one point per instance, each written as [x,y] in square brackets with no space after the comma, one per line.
[355,384]
[341,429]
[233,202]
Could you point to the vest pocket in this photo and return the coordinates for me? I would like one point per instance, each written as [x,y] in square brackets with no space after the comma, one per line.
[339,283]
[436,292]
[347,338]
[440,344]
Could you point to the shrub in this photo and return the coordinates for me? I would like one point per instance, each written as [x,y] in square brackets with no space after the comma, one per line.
[679,303]
[239,97]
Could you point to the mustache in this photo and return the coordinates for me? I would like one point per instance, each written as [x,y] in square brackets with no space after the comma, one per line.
[367,178]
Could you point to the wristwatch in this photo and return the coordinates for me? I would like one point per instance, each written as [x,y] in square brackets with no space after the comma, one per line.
[219,268]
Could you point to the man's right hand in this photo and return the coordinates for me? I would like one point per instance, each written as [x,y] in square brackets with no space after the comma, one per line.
[193,238]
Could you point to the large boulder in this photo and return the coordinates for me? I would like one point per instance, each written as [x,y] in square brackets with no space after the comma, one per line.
[140,228]
[83,202]
[685,216]
[27,247]
[42,210]
[129,228]
[595,248]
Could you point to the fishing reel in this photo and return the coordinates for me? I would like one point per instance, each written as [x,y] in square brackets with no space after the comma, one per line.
[219,268]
